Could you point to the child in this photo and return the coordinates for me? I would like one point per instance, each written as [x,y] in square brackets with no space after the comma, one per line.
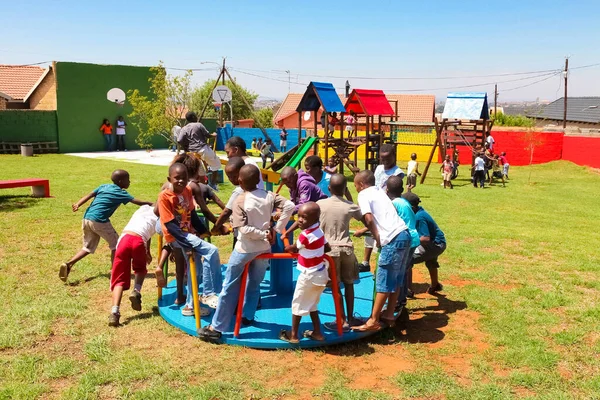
[253,144]
[406,213]
[412,170]
[311,247]
[120,133]
[386,168]
[333,121]
[313,165]
[331,167]
[283,140]
[133,250]
[336,213]
[479,171]
[96,220]
[392,237]
[350,120]
[176,205]
[447,168]
[266,152]
[504,163]
[232,170]
[106,130]
[252,218]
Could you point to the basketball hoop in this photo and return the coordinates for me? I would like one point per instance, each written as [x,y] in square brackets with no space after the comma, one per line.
[217,106]
[119,103]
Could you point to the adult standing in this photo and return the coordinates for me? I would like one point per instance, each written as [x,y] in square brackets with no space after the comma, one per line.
[106,129]
[193,138]
[120,133]
[283,140]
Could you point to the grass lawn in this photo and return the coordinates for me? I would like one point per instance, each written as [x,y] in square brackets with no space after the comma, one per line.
[519,316]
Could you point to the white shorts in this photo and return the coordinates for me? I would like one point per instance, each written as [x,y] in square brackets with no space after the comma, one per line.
[211,159]
[369,242]
[283,143]
[308,292]
[349,128]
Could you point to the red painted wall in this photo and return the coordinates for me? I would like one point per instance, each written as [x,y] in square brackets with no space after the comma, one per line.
[515,145]
[582,150]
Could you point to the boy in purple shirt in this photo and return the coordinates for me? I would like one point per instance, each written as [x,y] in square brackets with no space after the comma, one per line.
[302,186]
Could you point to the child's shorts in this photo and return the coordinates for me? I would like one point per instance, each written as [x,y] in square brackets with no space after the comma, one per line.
[392,263]
[349,128]
[93,231]
[131,252]
[447,176]
[369,242]
[308,292]
[346,265]
[411,180]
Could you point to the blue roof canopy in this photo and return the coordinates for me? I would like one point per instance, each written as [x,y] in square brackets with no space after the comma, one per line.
[320,94]
[466,105]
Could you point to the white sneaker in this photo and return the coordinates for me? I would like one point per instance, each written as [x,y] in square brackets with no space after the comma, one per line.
[211,300]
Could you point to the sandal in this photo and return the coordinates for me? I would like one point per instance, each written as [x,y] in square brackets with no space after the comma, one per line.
[368,328]
[310,335]
[284,335]
[389,322]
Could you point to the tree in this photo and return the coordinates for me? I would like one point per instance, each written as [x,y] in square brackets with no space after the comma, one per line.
[240,110]
[264,117]
[164,107]
[533,139]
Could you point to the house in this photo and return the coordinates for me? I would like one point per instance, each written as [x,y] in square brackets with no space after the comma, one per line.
[4,99]
[582,112]
[408,107]
[29,87]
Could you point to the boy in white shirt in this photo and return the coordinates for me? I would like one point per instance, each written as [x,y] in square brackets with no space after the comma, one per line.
[393,238]
[387,168]
[479,171]
[133,250]
[252,218]
[412,170]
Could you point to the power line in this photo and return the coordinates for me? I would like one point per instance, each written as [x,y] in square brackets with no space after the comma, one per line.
[533,83]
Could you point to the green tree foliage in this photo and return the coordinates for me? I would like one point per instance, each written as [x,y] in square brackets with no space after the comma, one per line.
[164,107]
[264,117]
[513,120]
[240,110]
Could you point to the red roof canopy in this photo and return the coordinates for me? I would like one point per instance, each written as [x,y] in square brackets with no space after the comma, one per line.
[369,102]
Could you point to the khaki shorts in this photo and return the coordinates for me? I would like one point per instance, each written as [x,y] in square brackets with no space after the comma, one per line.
[346,265]
[93,231]
[211,159]
[308,292]
[447,176]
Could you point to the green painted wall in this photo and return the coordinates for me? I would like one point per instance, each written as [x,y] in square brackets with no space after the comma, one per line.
[24,126]
[82,104]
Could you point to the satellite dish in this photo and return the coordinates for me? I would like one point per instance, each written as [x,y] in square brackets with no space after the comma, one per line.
[116,95]
[306,116]
[222,94]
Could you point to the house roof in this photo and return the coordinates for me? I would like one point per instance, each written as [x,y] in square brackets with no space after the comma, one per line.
[579,109]
[5,96]
[411,107]
[320,94]
[17,81]
[369,102]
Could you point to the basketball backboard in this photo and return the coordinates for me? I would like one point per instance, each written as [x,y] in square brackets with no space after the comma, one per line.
[222,94]
[116,95]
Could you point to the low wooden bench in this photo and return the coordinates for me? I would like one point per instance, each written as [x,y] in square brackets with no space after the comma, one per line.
[39,187]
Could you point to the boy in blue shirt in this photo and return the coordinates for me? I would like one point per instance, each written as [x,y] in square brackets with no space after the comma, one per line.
[96,223]
[432,242]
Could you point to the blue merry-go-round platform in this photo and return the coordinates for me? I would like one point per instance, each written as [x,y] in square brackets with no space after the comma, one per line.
[275,313]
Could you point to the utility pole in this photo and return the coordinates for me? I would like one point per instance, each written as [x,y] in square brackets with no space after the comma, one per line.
[566,74]
[289,80]
[495,100]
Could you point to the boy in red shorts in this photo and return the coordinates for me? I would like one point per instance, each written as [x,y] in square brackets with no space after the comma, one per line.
[133,250]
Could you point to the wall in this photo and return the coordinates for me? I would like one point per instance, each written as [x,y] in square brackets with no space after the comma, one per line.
[82,103]
[3,103]
[249,133]
[23,126]
[516,146]
[582,150]
[44,96]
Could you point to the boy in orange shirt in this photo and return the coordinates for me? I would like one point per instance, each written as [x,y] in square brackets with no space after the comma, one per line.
[176,205]
[106,130]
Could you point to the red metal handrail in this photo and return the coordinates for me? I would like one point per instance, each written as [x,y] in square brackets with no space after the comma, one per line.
[334,283]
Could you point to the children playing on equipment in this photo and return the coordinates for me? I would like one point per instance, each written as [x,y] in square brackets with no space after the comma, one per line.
[392,237]
[133,251]
[447,168]
[479,171]
[302,186]
[313,165]
[336,214]
[236,147]
[176,206]
[412,171]
[252,219]
[96,220]
[350,121]
[311,247]
[232,170]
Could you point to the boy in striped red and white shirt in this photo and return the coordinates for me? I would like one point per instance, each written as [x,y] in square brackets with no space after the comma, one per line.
[311,247]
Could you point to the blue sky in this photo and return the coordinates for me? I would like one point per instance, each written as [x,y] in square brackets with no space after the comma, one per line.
[324,41]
